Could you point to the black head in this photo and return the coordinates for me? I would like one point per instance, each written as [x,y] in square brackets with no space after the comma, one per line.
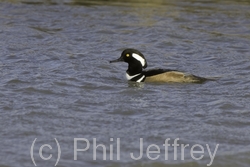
[132,57]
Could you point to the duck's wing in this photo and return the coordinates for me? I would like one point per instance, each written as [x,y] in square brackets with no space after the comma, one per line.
[167,75]
[153,72]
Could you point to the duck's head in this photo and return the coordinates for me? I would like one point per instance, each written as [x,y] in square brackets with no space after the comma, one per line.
[133,57]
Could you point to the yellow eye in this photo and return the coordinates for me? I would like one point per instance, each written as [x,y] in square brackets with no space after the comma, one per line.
[127,55]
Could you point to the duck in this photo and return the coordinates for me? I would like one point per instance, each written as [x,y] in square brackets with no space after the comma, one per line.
[137,63]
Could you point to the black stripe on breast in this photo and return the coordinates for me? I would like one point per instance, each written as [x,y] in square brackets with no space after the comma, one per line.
[155,72]
[138,77]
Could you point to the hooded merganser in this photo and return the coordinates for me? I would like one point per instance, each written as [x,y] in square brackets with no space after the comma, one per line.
[137,62]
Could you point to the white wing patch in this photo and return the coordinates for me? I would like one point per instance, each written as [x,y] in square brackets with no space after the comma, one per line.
[139,58]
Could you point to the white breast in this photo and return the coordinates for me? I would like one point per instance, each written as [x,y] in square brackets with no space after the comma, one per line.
[129,77]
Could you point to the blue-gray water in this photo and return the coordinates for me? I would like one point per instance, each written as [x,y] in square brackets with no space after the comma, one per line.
[56,82]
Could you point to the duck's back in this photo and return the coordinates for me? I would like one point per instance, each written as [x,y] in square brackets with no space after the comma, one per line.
[161,75]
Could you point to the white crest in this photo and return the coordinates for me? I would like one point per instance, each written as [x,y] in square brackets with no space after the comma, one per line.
[139,58]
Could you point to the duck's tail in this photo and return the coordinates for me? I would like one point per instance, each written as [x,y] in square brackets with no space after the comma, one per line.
[197,79]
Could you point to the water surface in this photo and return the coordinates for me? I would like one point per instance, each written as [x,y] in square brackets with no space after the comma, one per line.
[56,81]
